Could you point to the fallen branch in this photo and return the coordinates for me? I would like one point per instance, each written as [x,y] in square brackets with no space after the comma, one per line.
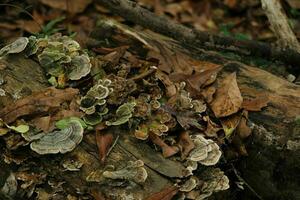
[280,25]
[133,12]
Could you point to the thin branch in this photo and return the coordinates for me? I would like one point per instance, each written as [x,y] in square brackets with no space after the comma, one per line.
[112,146]
[133,12]
[280,25]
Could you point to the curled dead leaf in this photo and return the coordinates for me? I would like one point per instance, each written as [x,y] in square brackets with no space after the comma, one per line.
[212,128]
[167,150]
[199,79]
[255,104]
[185,143]
[169,85]
[230,123]
[228,99]
[37,103]
[243,130]
[104,141]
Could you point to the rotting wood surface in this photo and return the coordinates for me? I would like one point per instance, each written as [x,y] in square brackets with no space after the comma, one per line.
[274,128]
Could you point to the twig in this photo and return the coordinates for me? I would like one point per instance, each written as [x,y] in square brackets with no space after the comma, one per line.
[280,25]
[243,181]
[112,146]
[144,74]
[133,12]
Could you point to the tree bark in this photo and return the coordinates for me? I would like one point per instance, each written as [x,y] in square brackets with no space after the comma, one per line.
[274,148]
[189,37]
[280,24]
[272,162]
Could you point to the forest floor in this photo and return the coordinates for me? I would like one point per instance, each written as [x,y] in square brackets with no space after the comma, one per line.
[93,106]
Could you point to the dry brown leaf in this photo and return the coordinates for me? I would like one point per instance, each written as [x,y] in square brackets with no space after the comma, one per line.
[230,123]
[74,6]
[66,113]
[230,3]
[185,143]
[255,104]
[37,103]
[212,128]
[243,130]
[30,26]
[167,151]
[199,79]
[228,99]
[239,145]
[166,194]
[42,123]
[169,85]
[170,61]
[187,120]
[115,56]
[174,9]
[104,142]
[208,93]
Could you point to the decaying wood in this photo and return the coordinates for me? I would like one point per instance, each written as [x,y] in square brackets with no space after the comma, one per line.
[131,11]
[19,77]
[280,24]
[274,126]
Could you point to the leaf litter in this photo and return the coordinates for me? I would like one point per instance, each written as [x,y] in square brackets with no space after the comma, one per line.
[166,107]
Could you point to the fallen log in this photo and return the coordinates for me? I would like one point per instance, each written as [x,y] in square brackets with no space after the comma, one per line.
[273,149]
[131,11]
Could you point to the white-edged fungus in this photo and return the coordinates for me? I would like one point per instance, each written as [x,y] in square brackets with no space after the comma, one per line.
[134,171]
[16,47]
[80,67]
[61,141]
[206,152]
[72,165]
[189,185]
[9,189]
[214,181]
[123,114]
[191,166]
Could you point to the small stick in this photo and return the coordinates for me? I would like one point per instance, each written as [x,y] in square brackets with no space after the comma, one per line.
[112,146]
[144,74]
[131,11]
[280,25]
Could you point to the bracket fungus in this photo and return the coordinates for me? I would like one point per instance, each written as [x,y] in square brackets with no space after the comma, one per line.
[206,152]
[158,123]
[57,54]
[96,96]
[214,181]
[123,114]
[189,185]
[16,47]
[61,141]
[134,171]
[80,67]
[72,165]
